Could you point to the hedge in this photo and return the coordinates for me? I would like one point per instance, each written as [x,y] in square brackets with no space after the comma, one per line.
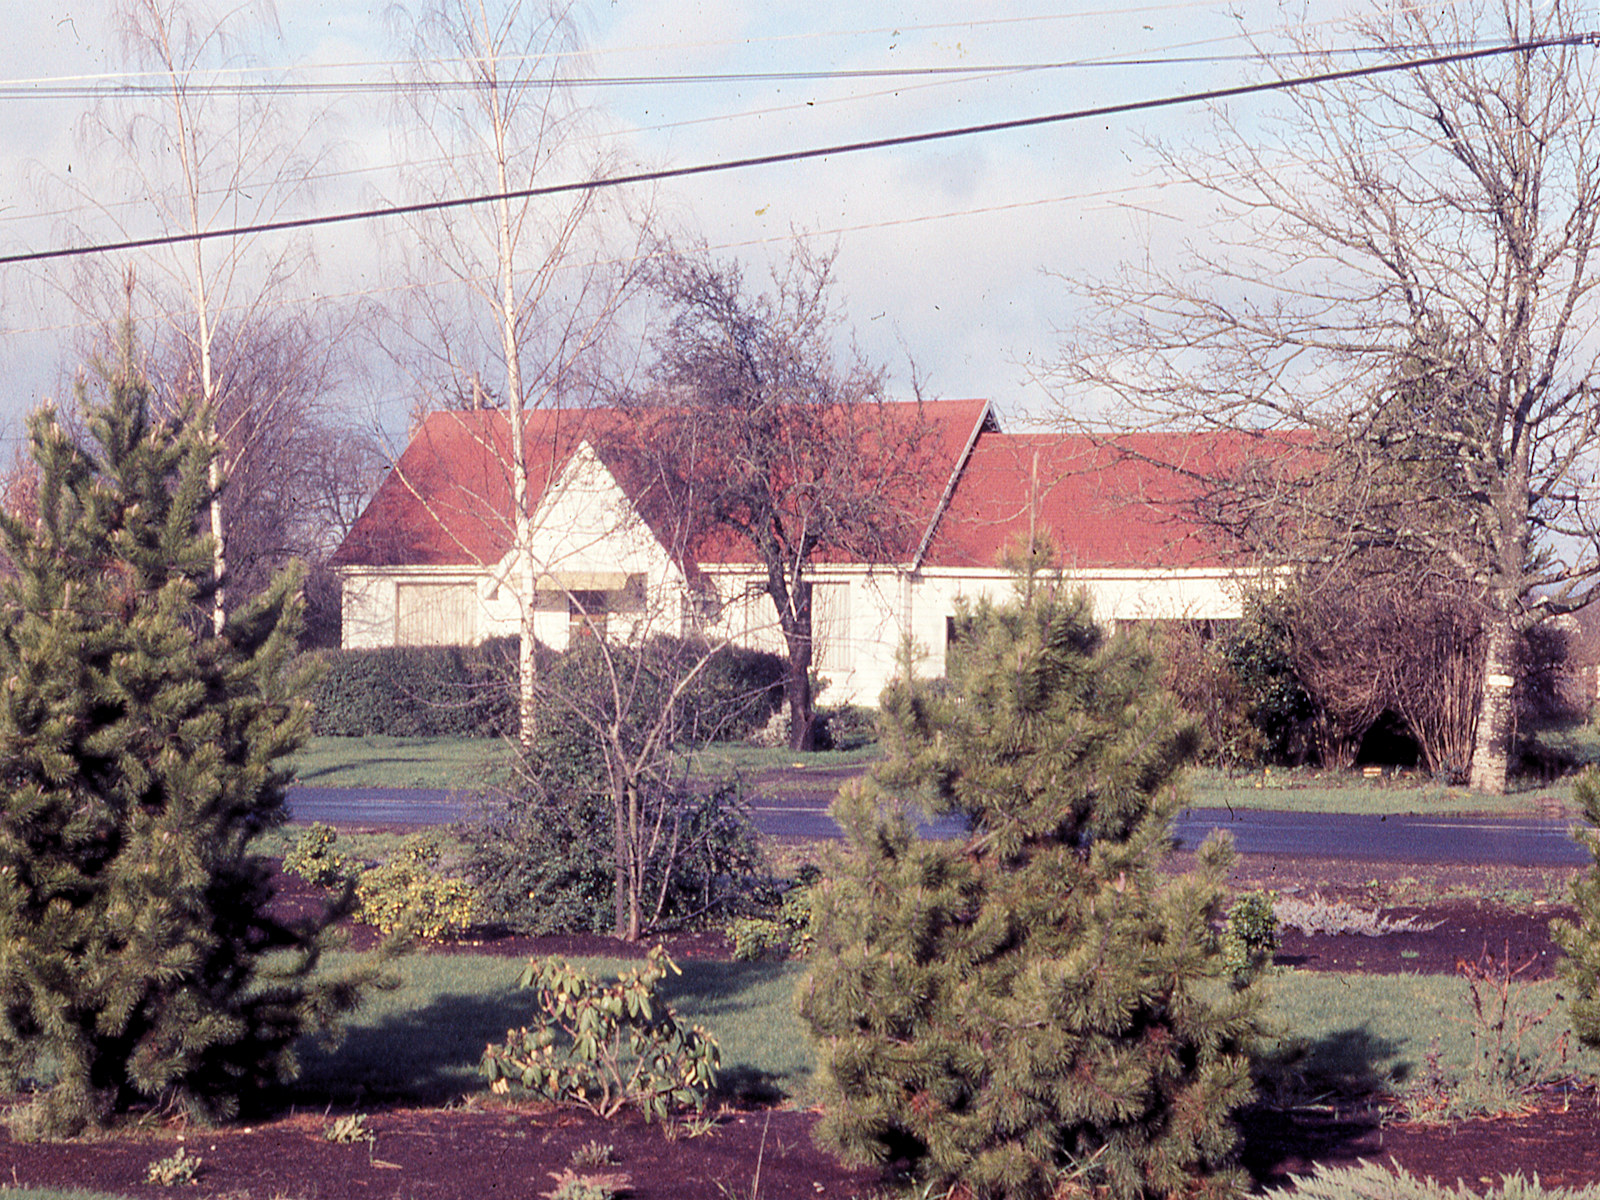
[470,691]
[417,691]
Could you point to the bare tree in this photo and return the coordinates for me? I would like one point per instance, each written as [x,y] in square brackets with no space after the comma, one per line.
[630,706]
[204,157]
[490,110]
[298,472]
[1402,267]
[770,437]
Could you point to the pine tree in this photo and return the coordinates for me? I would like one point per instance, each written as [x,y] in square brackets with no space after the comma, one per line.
[140,755]
[1032,1006]
[1580,940]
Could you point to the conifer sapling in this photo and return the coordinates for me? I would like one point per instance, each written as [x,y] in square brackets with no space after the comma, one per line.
[1034,1006]
[140,755]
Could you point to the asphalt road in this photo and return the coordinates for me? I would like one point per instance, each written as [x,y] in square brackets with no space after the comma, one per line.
[801,810]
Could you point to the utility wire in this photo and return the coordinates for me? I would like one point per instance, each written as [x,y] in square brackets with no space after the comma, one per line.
[355,87]
[789,156]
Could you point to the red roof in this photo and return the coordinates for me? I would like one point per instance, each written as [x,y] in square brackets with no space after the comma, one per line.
[1127,503]
[447,502]
[1122,503]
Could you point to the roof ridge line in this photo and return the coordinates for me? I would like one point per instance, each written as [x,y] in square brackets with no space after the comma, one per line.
[950,486]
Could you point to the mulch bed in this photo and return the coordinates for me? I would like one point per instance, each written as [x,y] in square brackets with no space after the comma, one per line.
[489,1148]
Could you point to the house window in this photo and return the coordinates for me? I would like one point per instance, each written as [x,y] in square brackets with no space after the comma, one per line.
[586,616]
[830,627]
[434,614]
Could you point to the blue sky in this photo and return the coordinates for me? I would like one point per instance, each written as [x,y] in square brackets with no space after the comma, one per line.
[950,255]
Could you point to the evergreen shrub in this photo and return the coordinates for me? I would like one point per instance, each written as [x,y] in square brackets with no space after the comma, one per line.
[1035,1007]
[1580,939]
[1372,1181]
[412,894]
[417,691]
[139,960]
[471,691]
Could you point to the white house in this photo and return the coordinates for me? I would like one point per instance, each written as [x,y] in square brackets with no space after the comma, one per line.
[430,560]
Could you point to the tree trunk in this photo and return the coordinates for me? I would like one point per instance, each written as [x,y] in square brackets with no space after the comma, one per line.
[623,874]
[1496,724]
[797,680]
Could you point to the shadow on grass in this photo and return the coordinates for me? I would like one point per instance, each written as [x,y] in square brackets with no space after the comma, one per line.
[1317,1102]
[427,1052]
[426,1055]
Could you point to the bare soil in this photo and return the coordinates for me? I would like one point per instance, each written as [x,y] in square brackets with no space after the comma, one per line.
[487,1148]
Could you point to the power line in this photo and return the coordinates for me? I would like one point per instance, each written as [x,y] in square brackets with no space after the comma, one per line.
[790,156]
[357,87]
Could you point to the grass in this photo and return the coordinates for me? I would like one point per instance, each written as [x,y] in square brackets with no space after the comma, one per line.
[365,846]
[1307,790]
[458,762]
[470,762]
[1354,1034]
[421,1042]
[390,762]
[723,757]
[44,1193]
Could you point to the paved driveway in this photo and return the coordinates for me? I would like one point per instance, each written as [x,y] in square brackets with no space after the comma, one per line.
[795,804]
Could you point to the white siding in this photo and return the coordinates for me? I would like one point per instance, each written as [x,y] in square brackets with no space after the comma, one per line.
[435,614]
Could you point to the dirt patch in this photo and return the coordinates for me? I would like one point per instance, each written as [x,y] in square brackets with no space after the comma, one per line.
[486,1149]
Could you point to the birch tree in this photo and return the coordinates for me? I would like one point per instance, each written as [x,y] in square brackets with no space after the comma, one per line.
[201,158]
[522,303]
[1402,266]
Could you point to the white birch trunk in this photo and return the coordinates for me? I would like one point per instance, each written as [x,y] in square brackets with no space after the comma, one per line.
[1496,724]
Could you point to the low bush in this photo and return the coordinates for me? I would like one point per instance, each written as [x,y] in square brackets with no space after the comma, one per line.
[735,694]
[1249,937]
[1370,1181]
[786,926]
[540,860]
[314,859]
[1315,914]
[605,1047]
[471,691]
[181,1169]
[411,893]
[544,851]
[417,691]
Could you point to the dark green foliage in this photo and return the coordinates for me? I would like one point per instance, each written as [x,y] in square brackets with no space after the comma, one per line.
[1259,649]
[783,924]
[1029,1008]
[734,694]
[542,853]
[470,691]
[1580,940]
[1250,936]
[417,691]
[846,727]
[140,755]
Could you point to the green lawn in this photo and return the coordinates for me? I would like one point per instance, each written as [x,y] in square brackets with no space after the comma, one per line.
[421,1042]
[471,762]
[401,762]
[1350,792]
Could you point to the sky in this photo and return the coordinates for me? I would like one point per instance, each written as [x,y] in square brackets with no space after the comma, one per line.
[953,257]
